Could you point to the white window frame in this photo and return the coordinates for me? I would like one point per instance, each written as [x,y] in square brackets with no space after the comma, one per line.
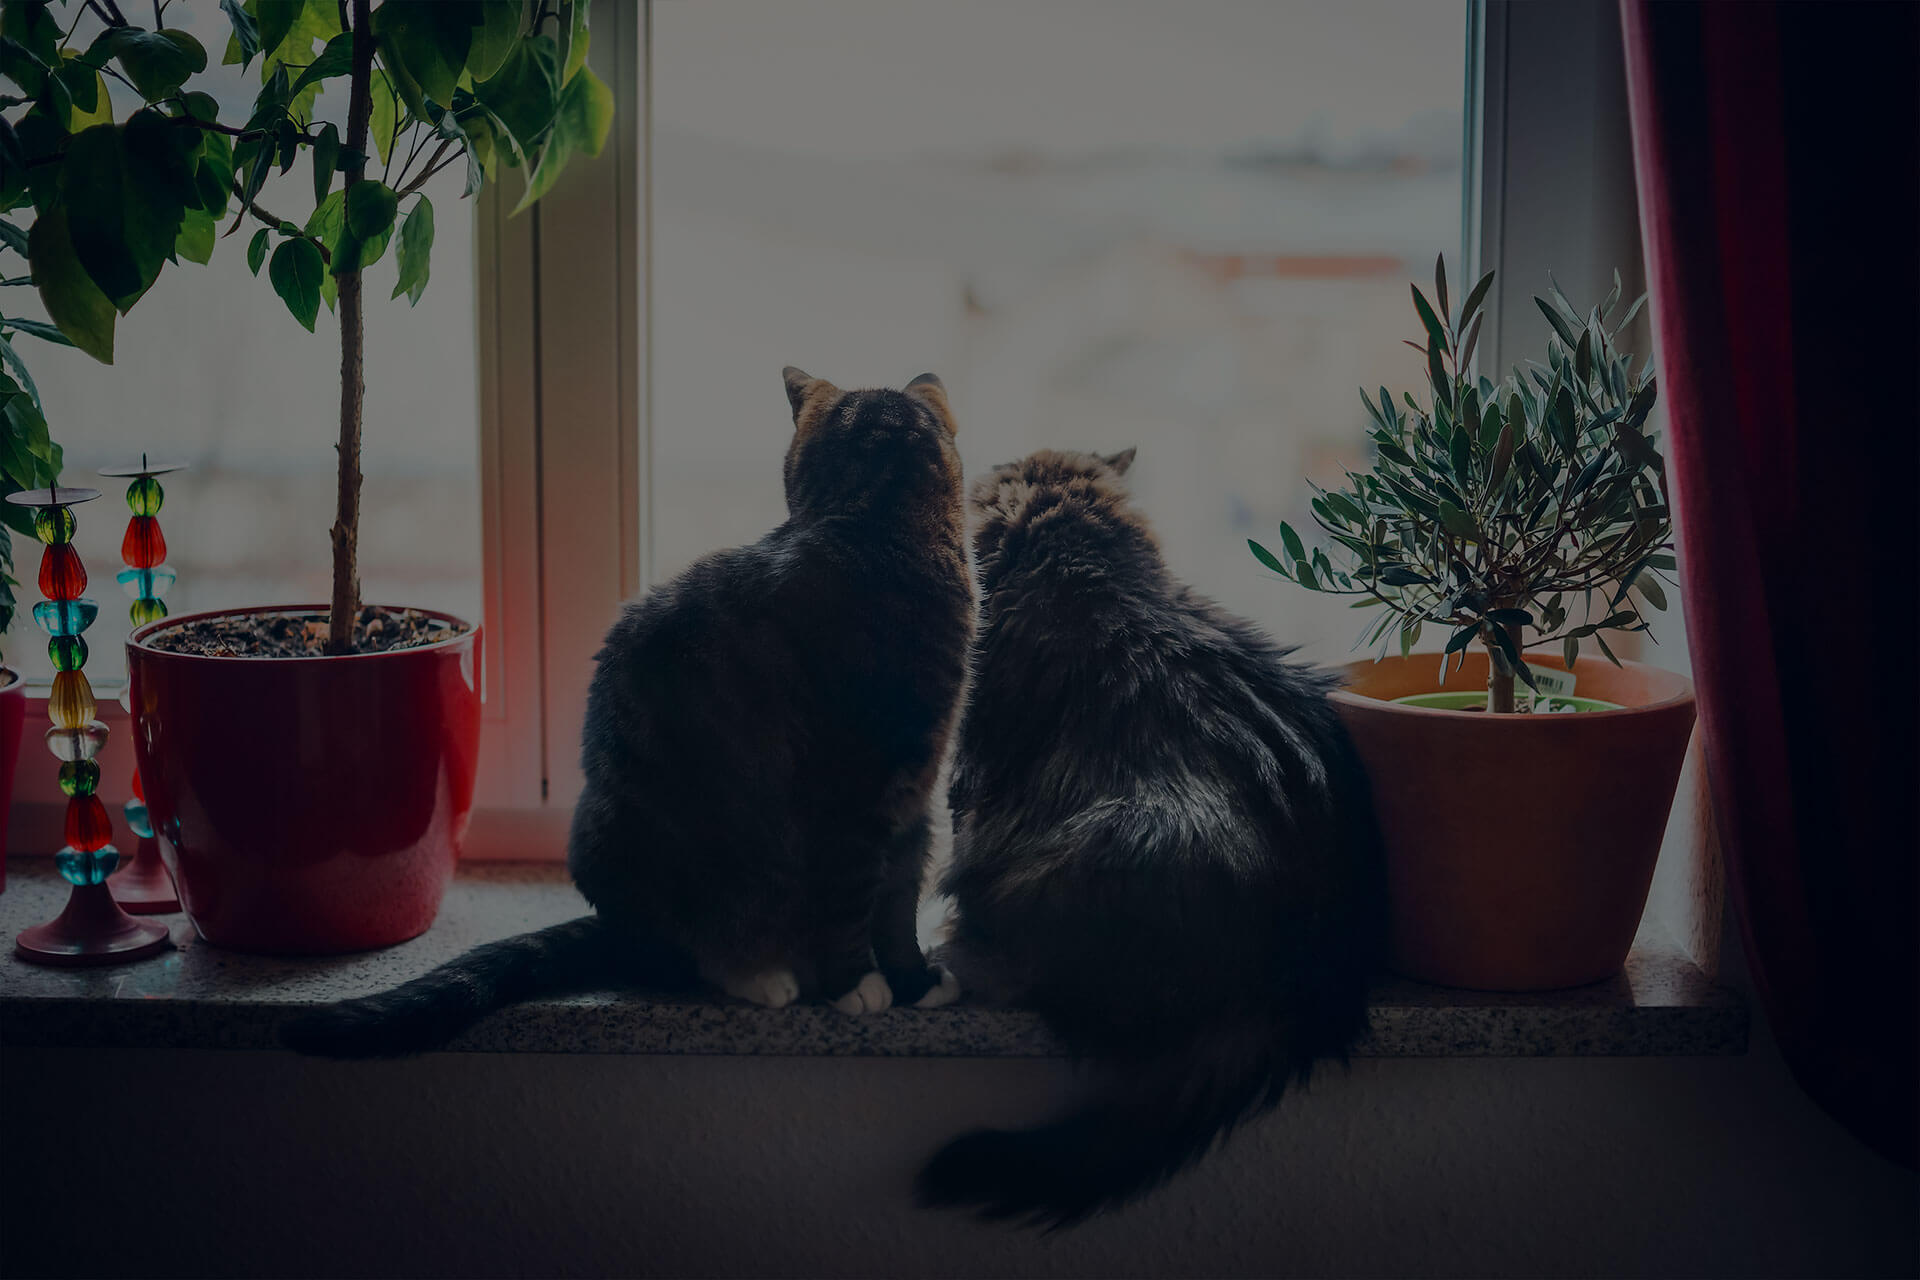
[562,345]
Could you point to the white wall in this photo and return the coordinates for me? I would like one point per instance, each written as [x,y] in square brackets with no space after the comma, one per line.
[551,1165]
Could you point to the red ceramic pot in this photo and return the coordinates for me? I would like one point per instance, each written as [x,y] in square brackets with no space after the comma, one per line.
[308,805]
[13,714]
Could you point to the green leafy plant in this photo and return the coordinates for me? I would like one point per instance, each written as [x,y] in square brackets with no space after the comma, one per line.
[29,458]
[428,84]
[1496,510]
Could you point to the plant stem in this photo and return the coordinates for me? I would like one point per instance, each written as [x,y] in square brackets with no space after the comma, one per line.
[1501,680]
[345,607]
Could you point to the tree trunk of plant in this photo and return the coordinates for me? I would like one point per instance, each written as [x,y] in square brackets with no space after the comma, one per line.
[345,607]
[1502,683]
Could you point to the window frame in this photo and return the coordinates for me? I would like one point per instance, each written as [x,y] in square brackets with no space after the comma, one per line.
[562,335]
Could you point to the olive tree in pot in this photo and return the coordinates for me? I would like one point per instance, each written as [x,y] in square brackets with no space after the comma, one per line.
[311,767]
[1523,787]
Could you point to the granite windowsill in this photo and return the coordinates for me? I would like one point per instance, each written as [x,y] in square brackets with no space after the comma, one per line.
[200,997]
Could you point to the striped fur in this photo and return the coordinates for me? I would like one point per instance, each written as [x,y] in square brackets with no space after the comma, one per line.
[761,739]
[1162,841]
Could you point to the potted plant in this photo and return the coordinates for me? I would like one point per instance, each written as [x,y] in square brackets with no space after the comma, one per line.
[1522,786]
[29,459]
[311,766]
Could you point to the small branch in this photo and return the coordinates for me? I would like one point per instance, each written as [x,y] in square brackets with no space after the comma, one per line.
[274,220]
[434,165]
[119,18]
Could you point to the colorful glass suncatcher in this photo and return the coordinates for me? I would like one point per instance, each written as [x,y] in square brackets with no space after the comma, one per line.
[144,886]
[92,929]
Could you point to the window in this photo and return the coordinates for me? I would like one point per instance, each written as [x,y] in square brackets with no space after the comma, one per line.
[1103,224]
[210,370]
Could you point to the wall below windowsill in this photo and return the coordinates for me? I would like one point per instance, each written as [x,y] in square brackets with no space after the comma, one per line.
[198,996]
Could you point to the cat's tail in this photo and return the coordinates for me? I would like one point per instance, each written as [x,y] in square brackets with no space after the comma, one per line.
[1157,1120]
[578,955]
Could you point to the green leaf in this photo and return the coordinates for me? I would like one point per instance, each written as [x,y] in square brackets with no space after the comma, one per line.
[326,150]
[1290,540]
[370,209]
[523,94]
[39,329]
[1560,326]
[246,31]
[1436,332]
[386,115]
[1440,282]
[1570,651]
[1457,522]
[1649,587]
[580,127]
[1437,377]
[426,42]
[1398,575]
[1474,298]
[1461,638]
[295,272]
[157,62]
[257,250]
[1512,617]
[416,244]
[577,42]
[123,225]
[1267,558]
[493,40]
[197,232]
[72,299]
[1602,642]
[276,22]
[334,60]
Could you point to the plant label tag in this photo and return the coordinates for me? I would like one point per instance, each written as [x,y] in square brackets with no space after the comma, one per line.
[1550,683]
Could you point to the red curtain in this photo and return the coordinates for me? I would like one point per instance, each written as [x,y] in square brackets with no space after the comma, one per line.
[1775,146]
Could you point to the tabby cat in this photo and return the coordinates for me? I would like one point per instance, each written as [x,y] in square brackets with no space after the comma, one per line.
[761,739]
[1162,841]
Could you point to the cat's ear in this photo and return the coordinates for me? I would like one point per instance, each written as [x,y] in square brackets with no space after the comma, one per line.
[934,392]
[802,387]
[1122,460]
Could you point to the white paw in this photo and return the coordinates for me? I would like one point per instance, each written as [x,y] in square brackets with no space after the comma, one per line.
[871,996]
[775,988]
[945,993]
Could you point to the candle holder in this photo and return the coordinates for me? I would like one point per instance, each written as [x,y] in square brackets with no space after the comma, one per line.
[92,929]
[143,886]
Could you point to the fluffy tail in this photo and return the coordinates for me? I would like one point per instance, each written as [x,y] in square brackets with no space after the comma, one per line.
[579,955]
[1161,1119]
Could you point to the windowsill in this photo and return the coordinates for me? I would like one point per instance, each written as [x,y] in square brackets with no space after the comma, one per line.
[199,997]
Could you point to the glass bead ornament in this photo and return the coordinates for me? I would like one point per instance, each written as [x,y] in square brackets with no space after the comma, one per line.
[82,743]
[67,653]
[144,546]
[65,617]
[70,703]
[144,884]
[146,582]
[144,496]
[87,866]
[79,777]
[62,576]
[91,929]
[54,526]
[87,825]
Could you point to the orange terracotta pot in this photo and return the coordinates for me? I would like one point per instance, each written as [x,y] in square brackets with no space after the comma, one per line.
[1520,848]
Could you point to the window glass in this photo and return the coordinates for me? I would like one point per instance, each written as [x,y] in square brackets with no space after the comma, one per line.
[1187,227]
[211,370]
